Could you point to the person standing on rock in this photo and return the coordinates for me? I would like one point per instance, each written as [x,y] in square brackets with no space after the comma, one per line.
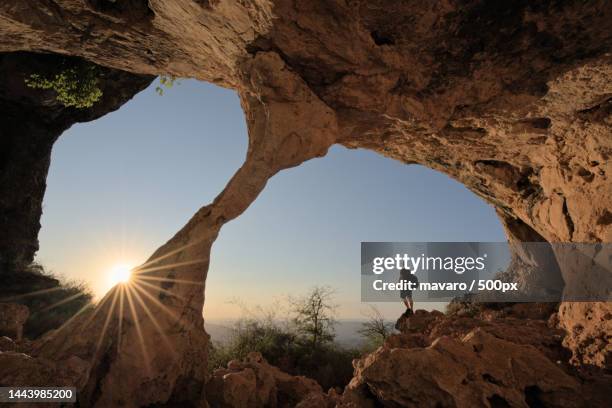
[406,293]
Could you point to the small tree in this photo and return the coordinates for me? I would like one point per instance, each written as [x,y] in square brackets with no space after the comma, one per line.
[288,342]
[313,316]
[375,329]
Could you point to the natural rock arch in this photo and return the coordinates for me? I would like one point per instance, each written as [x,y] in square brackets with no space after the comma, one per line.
[511,99]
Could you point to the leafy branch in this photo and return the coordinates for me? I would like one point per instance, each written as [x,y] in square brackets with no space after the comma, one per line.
[76,84]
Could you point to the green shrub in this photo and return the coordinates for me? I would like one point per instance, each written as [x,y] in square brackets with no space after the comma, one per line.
[329,364]
[248,335]
[75,84]
[302,344]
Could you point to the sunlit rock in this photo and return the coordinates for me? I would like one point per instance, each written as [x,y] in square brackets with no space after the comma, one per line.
[254,383]
[512,99]
[465,362]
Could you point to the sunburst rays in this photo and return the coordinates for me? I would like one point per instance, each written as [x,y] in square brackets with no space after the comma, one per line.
[142,270]
[60,302]
[164,337]
[30,294]
[140,301]
[156,302]
[141,340]
[107,320]
[168,254]
[146,307]
[141,282]
[121,311]
[171,280]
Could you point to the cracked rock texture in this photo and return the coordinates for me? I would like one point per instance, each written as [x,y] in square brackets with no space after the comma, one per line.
[512,99]
[255,383]
[476,370]
[506,359]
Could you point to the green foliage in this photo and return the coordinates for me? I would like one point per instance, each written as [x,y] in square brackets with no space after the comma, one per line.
[330,365]
[75,84]
[289,344]
[166,82]
[267,337]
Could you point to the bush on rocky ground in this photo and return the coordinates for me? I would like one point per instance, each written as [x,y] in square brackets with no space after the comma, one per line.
[51,300]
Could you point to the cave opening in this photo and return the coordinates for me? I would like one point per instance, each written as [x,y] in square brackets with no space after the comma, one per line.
[306,227]
[518,115]
[119,186]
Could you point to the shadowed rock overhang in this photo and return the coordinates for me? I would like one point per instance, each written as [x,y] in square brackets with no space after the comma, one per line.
[513,99]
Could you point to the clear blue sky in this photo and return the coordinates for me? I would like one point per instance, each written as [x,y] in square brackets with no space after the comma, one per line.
[121,186]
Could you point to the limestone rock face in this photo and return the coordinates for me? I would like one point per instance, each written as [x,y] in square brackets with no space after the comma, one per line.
[254,383]
[589,328]
[466,362]
[477,370]
[419,322]
[510,98]
[524,324]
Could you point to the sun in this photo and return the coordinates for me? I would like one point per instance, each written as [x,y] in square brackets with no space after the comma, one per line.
[120,274]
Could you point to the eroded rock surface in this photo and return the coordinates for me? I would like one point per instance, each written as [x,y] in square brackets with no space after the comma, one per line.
[254,383]
[12,319]
[449,361]
[510,98]
[472,371]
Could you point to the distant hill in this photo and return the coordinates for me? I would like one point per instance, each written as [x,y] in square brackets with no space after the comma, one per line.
[346,331]
[219,331]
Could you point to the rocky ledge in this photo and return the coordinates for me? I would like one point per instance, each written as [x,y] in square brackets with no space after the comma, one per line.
[506,356]
[512,99]
[494,359]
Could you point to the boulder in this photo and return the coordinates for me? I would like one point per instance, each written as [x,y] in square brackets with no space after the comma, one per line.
[12,318]
[19,369]
[423,328]
[7,344]
[477,370]
[418,322]
[491,360]
[254,383]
